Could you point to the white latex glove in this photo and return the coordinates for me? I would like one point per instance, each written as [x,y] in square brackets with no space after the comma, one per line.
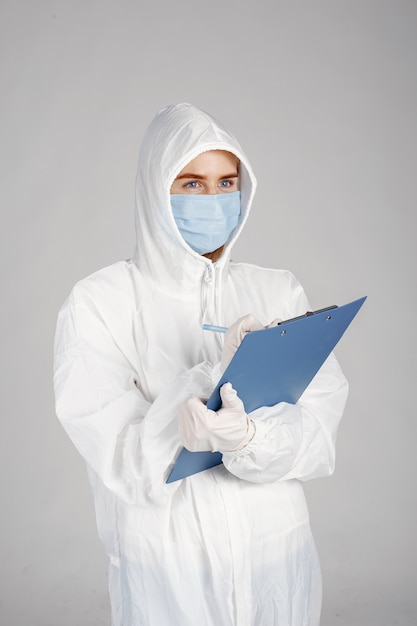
[224,430]
[234,336]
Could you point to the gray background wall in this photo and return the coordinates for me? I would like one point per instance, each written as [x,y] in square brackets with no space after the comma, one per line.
[322,95]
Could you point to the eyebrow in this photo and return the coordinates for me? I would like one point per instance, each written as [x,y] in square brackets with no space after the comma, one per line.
[200,177]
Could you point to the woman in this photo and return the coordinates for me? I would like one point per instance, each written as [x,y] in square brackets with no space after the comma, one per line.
[230,546]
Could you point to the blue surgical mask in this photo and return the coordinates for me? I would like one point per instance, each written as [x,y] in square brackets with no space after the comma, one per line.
[206,221]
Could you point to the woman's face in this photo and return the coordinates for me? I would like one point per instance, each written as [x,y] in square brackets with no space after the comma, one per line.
[211,172]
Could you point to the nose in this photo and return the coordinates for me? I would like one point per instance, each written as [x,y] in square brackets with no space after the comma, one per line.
[212,189]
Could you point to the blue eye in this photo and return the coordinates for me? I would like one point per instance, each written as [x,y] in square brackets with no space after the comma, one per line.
[192,184]
[225,183]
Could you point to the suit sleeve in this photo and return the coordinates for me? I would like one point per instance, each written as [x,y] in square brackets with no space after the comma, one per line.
[130,442]
[295,440]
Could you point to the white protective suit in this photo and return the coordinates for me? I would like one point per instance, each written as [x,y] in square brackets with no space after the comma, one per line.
[230,546]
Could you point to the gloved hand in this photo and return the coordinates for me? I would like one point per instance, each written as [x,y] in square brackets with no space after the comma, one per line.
[235,335]
[224,430]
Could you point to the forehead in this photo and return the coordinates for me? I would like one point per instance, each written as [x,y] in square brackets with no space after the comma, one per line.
[212,162]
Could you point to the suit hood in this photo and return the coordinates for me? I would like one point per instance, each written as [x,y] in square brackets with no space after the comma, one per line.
[178,134]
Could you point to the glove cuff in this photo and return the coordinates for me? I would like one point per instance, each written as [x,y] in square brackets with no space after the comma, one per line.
[249,436]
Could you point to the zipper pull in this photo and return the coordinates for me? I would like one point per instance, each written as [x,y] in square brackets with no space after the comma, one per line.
[208,275]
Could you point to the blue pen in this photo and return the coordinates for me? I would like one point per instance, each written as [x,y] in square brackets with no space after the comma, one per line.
[216,329]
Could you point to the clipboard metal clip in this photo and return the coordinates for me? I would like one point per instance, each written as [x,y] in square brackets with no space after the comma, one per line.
[308,314]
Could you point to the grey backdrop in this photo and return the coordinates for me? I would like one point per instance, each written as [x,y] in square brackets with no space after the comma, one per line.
[322,95]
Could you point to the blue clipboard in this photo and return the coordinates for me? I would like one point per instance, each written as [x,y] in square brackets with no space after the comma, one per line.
[274,365]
